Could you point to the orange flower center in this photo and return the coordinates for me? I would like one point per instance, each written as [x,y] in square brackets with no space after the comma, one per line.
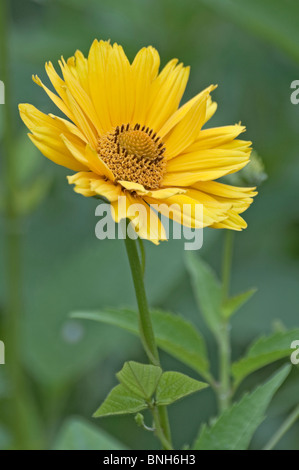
[134,154]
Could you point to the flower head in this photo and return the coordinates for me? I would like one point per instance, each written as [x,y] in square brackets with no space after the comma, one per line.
[125,135]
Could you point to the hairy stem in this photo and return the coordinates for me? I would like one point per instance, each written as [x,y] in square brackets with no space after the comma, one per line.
[159,431]
[145,323]
[147,334]
[224,394]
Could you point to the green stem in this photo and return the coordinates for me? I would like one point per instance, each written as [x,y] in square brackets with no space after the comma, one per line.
[286,425]
[142,255]
[159,429]
[224,394]
[23,418]
[147,333]
[145,323]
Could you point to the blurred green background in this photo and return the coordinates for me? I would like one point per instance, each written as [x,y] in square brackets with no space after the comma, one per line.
[251,50]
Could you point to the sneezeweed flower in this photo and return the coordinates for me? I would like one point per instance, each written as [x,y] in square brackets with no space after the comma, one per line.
[127,136]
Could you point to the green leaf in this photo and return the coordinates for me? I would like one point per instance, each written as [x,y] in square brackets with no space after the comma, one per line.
[79,434]
[264,18]
[140,379]
[123,318]
[231,305]
[264,351]
[120,401]
[234,428]
[207,291]
[174,334]
[174,385]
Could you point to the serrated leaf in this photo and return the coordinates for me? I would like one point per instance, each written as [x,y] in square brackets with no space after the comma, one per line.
[120,401]
[174,385]
[140,379]
[79,434]
[232,305]
[174,334]
[264,351]
[207,291]
[234,428]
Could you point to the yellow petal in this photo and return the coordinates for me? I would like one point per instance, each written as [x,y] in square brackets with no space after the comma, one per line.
[96,163]
[207,164]
[131,186]
[77,151]
[207,159]
[97,63]
[211,109]
[158,193]
[119,86]
[182,111]
[84,124]
[186,210]
[82,176]
[96,185]
[90,157]
[80,95]
[58,155]
[70,127]
[189,178]
[56,100]
[145,222]
[216,137]
[225,190]
[165,193]
[106,189]
[81,181]
[79,68]
[235,199]
[46,136]
[233,222]
[185,132]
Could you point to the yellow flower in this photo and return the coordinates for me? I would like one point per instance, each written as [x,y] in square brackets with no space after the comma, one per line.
[127,136]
